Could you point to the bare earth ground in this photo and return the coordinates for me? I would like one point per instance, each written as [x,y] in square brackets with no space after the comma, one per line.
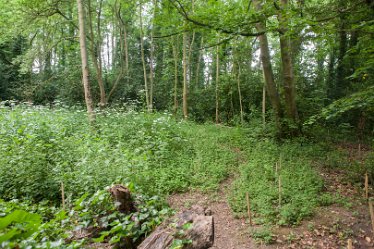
[229,233]
[330,228]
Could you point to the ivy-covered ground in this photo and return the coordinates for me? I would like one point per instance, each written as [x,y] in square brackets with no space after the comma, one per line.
[155,156]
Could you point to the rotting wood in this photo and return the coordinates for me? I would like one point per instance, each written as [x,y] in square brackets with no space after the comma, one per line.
[123,198]
[200,232]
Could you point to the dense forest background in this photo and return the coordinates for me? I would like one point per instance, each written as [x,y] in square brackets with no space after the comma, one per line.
[203,60]
[259,111]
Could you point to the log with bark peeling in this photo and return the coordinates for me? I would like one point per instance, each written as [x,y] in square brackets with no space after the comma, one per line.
[200,233]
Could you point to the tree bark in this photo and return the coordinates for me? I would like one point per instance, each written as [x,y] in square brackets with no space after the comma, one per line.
[240,95]
[200,233]
[143,58]
[185,87]
[96,52]
[151,62]
[122,196]
[176,60]
[199,63]
[124,61]
[85,71]
[217,84]
[287,67]
[268,71]
[341,84]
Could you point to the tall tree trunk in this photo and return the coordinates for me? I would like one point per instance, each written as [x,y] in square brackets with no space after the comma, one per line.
[151,62]
[143,58]
[85,72]
[341,69]
[217,84]
[330,85]
[240,95]
[96,51]
[199,63]
[263,107]
[287,67]
[270,85]
[124,55]
[176,60]
[185,67]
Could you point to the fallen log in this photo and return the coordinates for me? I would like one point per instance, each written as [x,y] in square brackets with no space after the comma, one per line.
[193,227]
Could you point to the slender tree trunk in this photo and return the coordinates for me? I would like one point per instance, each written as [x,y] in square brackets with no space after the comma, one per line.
[199,63]
[190,57]
[143,58]
[85,72]
[185,87]
[270,85]
[287,67]
[263,106]
[217,84]
[96,51]
[124,61]
[240,95]
[151,62]
[176,60]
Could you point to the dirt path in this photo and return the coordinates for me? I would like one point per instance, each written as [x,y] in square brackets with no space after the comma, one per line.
[330,228]
[332,225]
[229,233]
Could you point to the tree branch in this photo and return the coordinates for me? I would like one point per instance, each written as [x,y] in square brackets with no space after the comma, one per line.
[186,16]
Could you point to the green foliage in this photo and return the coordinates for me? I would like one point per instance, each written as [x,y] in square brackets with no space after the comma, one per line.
[41,148]
[263,234]
[98,213]
[24,224]
[361,101]
[300,184]
[95,214]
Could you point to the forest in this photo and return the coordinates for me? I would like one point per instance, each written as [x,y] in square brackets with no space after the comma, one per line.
[187,124]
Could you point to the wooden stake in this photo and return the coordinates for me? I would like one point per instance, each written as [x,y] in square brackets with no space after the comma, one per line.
[276,168]
[63,195]
[371,209]
[366,185]
[279,191]
[350,244]
[263,106]
[249,208]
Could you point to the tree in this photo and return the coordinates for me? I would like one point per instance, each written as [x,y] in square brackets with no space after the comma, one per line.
[85,70]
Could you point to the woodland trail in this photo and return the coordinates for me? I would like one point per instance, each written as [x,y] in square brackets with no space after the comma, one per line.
[329,228]
[229,233]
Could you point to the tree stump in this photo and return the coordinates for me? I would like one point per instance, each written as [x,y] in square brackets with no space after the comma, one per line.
[200,232]
[123,199]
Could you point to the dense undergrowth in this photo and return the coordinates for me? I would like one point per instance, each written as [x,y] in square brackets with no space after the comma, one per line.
[42,148]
